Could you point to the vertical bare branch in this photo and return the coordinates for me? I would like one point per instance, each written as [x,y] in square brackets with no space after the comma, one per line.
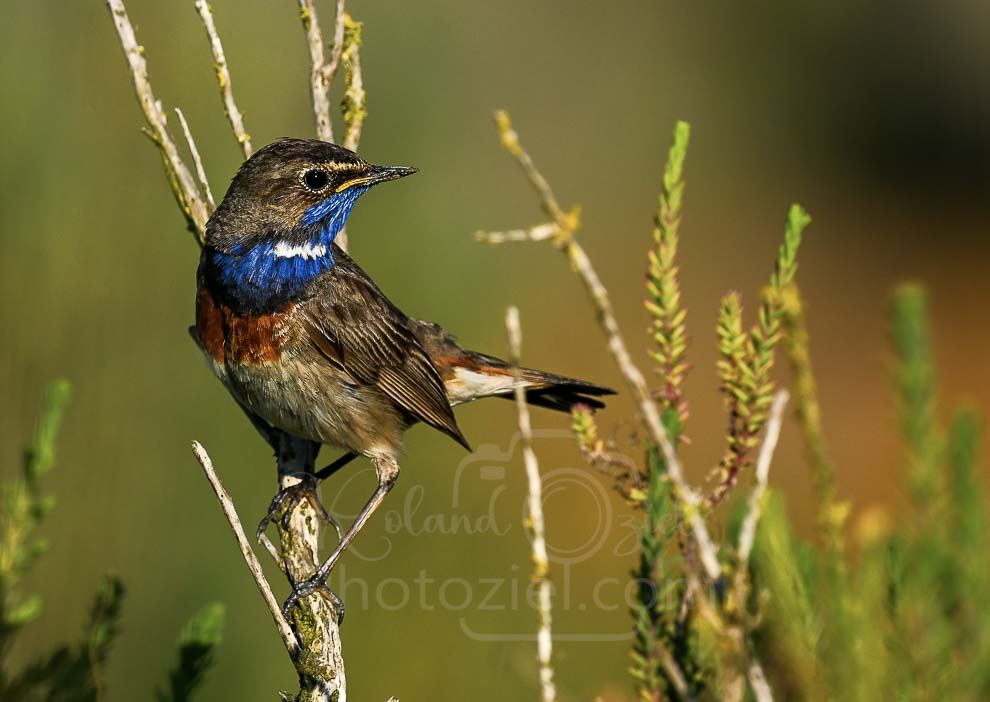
[180,179]
[197,161]
[223,79]
[541,562]
[227,505]
[321,677]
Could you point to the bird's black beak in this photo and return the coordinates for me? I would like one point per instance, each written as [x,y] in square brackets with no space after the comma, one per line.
[377,174]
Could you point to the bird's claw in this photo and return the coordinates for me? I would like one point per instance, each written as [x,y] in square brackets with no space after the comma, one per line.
[306,588]
[286,500]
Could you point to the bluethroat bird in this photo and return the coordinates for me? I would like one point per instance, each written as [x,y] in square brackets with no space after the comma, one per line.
[308,345]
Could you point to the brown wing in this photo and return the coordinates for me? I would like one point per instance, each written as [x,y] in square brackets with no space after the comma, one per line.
[355,326]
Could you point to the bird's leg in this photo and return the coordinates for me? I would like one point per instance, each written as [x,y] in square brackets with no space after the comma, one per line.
[388,473]
[306,489]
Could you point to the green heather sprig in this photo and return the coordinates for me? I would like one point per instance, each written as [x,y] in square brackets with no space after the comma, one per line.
[77,672]
[22,509]
[657,635]
[197,643]
[832,512]
[745,370]
[667,326]
[915,378]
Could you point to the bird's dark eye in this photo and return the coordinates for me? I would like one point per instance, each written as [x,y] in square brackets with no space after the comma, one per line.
[316,179]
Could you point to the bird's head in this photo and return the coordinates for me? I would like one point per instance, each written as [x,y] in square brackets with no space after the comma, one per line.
[275,227]
[294,191]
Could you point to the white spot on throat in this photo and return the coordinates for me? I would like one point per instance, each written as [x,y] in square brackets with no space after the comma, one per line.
[306,251]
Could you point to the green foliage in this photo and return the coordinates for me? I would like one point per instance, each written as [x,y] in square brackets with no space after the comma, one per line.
[23,506]
[906,617]
[667,325]
[662,626]
[791,631]
[71,673]
[74,673]
[745,363]
[915,378]
[903,617]
[197,643]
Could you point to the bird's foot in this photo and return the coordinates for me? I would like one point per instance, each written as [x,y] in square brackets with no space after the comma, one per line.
[285,502]
[316,584]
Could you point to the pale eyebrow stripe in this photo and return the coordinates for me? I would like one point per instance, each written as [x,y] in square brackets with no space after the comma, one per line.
[339,167]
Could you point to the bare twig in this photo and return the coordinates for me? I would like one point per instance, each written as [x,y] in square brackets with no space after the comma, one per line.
[510,142]
[747,533]
[541,562]
[541,232]
[337,50]
[227,505]
[180,179]
[321,72]
[223,79]
[194,152]
[273,552]
[567,223]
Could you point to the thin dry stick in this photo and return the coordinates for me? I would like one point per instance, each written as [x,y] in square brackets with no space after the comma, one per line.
[223,78]
[227,505]
[747,533]
[567,223]
[337,50]
[541,232]
[322,72]
[197,161]
[180,179]
[541,562]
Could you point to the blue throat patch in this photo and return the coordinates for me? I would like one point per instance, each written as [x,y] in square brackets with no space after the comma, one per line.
[274,270]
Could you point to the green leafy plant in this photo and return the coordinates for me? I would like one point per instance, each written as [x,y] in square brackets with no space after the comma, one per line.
[890,609]
[71,673]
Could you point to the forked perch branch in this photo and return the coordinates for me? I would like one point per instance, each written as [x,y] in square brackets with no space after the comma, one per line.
[315,645]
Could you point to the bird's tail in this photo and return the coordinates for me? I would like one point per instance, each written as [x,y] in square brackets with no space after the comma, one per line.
[469,375]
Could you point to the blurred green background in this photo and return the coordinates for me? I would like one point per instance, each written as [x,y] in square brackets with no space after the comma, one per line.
[874,116]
